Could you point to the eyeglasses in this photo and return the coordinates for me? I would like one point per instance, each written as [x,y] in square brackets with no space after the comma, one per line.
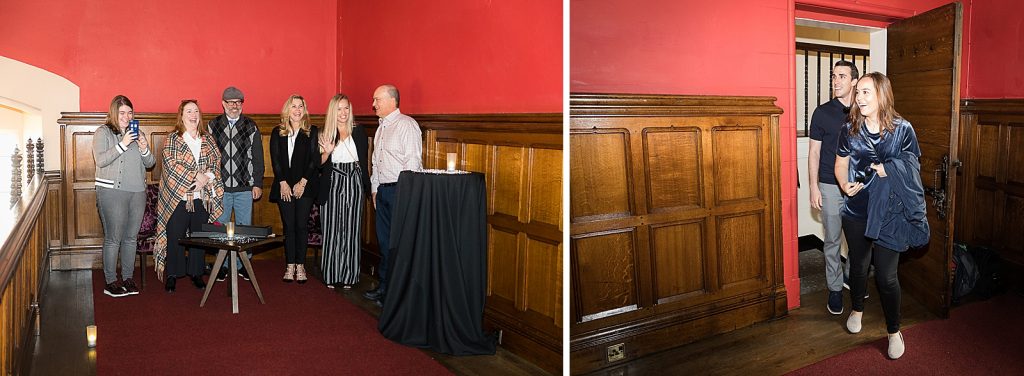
[234,103]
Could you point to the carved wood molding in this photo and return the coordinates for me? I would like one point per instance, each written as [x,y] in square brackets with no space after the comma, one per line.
[993,106]
[25,213]
[623,105]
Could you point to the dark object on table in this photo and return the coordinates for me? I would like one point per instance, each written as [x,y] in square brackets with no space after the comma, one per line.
[252,231]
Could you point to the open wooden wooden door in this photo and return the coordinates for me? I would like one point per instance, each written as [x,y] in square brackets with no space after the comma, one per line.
[924,66]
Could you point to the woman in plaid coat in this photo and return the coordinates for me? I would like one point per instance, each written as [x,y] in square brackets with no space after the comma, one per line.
[190,195]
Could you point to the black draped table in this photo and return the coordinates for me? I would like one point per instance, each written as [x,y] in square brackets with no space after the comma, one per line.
[438,274]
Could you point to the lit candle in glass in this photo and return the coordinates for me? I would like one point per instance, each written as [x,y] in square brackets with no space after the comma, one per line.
[451,161]
[90,335]
[231,230]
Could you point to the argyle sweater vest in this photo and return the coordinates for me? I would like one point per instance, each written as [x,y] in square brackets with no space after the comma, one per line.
[235,144]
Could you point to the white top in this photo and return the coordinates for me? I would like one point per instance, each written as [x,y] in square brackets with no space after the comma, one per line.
[195,145]
[291,145]
[345,152]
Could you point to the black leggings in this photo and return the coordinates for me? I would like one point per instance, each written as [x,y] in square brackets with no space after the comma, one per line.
[886,262]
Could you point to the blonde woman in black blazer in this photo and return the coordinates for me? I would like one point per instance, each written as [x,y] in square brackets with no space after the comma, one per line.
[295,157]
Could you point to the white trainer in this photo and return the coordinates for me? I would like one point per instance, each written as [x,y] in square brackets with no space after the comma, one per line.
[896,346]
[853,323]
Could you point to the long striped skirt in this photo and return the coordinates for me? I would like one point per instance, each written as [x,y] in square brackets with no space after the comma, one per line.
[342,219]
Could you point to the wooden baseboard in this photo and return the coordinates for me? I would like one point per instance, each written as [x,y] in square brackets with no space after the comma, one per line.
[526,342]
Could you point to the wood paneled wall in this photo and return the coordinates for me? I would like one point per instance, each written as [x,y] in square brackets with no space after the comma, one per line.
[521,157]
[675,221]
[22,272]
[520,154]
[991,182]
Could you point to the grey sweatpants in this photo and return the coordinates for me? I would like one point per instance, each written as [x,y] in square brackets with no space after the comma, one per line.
[121,214]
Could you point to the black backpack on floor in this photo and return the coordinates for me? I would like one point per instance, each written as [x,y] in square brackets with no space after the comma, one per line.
[966,274]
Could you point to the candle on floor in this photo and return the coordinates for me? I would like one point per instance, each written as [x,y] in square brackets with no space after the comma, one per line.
[90,335]
[451,161]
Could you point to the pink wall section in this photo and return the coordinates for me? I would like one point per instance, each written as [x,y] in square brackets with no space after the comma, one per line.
[459,56]
[995,66]
[158,53]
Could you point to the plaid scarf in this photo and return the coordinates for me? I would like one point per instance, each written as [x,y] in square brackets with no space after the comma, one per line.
[179,171]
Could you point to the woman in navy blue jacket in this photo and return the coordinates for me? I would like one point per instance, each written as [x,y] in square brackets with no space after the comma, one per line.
[875,136]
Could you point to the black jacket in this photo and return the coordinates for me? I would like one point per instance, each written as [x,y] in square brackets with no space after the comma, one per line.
[305,162]
[362,150]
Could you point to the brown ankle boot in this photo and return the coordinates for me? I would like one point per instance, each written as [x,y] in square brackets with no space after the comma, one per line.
[289,273]
[300,273]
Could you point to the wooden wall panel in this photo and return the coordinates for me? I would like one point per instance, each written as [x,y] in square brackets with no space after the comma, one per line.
[675,221]
[737,163]
[991,208]
[546,187]
[679,259]
[541,263]
[605,274]
[739,247]
[673,167]
[520,155]
[603,191]
[502,285]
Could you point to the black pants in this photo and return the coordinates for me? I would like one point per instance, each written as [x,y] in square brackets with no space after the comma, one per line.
[181,220]
[864,253]
[382,214]
[295,218]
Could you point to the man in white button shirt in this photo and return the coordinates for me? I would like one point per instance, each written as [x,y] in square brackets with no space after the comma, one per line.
[397,146]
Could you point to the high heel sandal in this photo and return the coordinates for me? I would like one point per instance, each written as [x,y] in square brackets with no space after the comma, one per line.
[289,273]
[300,273]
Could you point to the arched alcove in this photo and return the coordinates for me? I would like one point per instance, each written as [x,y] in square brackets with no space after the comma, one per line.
[38,97]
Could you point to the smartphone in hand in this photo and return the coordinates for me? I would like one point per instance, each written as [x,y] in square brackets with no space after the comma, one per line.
[133,126]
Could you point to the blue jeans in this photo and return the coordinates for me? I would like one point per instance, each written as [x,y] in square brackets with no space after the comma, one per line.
[241,202]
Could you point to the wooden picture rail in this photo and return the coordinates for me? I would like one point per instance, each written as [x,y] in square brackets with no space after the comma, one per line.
[520,154]
[22,273]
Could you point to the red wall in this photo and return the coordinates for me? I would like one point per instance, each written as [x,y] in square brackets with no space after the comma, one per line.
[738,47]
[456,56]
[994,59]
[159,52]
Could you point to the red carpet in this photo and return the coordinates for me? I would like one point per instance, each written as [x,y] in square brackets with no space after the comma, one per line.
[980,338]
[302,330]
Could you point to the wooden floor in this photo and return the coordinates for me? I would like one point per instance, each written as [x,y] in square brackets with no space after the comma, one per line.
[67,308]
[809,334]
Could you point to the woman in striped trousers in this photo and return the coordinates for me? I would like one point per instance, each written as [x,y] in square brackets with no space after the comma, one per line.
[344,187]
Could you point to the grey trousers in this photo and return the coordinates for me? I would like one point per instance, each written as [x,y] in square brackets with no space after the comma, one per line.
[831,206]
[121,214]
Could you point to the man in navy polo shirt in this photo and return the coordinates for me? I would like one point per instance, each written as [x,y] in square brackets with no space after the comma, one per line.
[826,123]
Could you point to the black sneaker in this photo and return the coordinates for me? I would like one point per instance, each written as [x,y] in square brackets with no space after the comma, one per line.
[222,275]
[244,274]
[114,289]
[835,302]
[129,287]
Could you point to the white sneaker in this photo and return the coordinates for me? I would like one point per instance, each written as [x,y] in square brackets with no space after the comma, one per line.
[896,346]
[853,323]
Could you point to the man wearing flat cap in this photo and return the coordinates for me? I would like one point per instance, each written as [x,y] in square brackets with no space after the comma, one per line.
[241,150]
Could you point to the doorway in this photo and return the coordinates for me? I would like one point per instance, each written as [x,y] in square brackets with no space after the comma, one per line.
[819,45]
